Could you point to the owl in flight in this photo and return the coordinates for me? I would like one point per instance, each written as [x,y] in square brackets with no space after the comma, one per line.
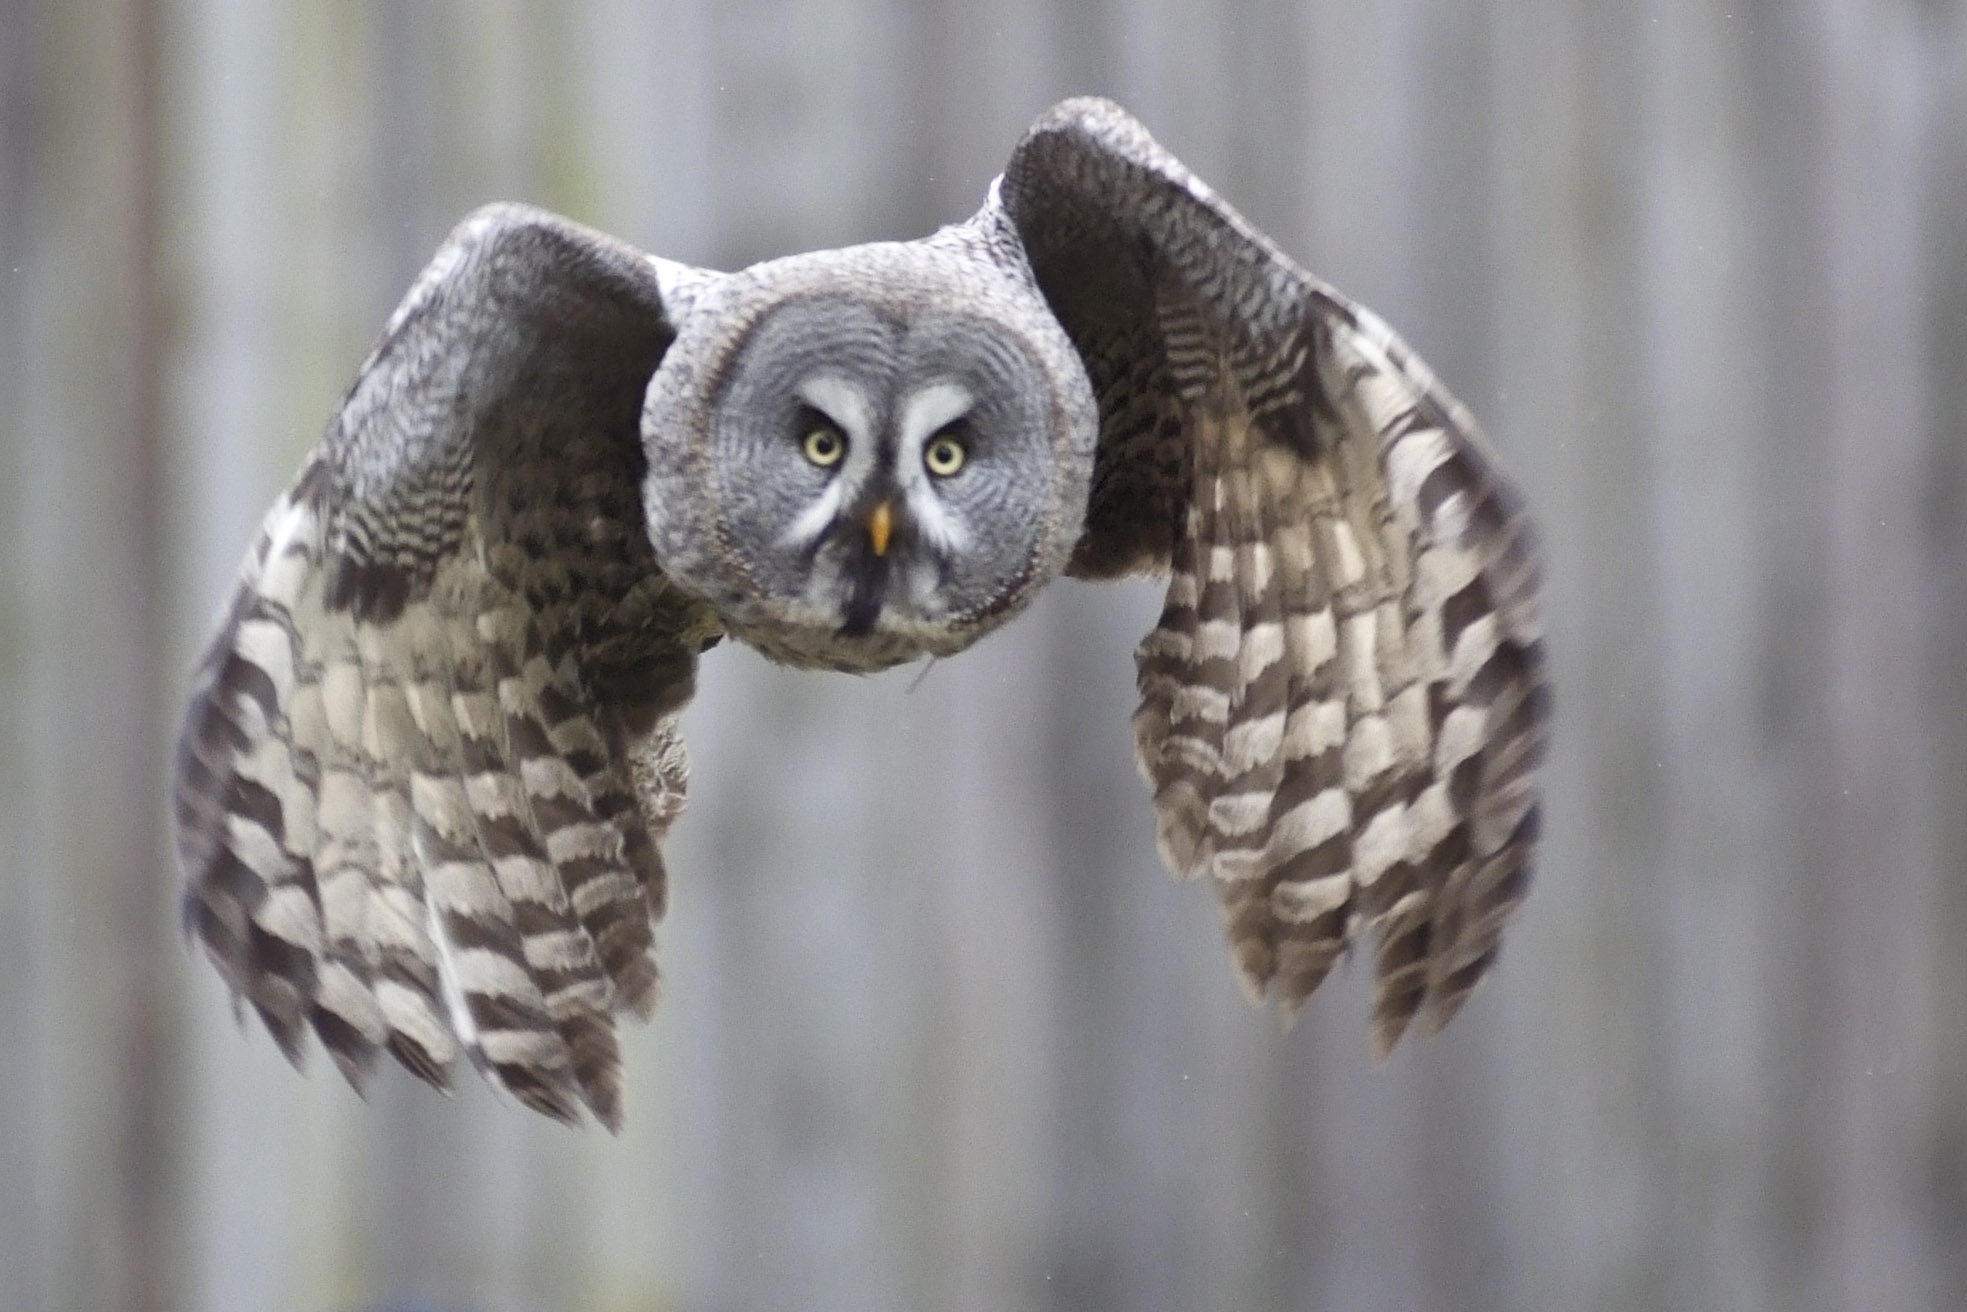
[433,748]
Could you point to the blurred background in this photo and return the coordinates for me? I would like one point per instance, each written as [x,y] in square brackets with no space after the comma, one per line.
[939,1032]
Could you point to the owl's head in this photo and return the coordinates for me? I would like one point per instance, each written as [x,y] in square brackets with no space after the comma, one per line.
[889,453]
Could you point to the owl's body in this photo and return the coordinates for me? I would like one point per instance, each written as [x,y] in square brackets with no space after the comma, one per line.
[433,748]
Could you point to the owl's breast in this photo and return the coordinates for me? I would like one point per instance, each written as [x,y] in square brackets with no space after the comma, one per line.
[823,646]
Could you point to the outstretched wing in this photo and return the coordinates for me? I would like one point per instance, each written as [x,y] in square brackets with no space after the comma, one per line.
[407,782]
[1343,707]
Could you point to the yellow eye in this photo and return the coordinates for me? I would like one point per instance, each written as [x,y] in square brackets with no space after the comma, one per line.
[944,455]
[824,446]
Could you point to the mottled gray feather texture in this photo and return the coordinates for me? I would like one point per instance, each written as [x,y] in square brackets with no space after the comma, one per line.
[1343,707]
[433,748]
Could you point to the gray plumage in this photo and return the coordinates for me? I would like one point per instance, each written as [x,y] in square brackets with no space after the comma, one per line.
[432,751]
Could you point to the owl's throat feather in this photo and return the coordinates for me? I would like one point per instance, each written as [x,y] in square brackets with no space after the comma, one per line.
[865,577]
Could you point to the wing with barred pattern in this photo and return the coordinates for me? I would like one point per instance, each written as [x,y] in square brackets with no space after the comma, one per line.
[1344,705]
[431,748]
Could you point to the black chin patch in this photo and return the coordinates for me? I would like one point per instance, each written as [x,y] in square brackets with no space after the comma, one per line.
[867,586]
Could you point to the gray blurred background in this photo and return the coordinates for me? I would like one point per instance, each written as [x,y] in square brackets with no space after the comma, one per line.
[938,1031]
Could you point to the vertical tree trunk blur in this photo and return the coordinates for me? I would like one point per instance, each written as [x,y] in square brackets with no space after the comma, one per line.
[1871,797]
[1578,1121]
[1943,507]
[1700,229]
[25,1275]
[88,339]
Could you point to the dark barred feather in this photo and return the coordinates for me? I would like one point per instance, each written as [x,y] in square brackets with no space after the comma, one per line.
[406,853]
[1340,717]
[405,813]
[1343,705]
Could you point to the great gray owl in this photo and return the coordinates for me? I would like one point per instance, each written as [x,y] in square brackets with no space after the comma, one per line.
[430,753]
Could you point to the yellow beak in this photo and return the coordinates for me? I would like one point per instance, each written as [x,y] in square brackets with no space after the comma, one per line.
[880,525]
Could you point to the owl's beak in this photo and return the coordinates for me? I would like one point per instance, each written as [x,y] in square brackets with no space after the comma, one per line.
[880,525]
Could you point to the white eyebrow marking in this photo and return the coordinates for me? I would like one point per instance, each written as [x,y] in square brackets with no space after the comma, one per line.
[930,408]
[927,411]
[841,400]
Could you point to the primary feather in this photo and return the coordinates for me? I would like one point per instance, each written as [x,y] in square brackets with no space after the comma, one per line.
[1343,706]
[404,796]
